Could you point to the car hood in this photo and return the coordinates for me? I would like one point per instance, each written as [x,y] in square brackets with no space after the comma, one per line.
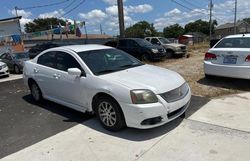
[157,79]
[174,45]
[2,63]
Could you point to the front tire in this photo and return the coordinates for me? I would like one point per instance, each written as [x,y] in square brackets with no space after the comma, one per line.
[36,92]
[110,114]
[16,69]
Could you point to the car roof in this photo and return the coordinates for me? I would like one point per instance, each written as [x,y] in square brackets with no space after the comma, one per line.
[238,36]
[81,48]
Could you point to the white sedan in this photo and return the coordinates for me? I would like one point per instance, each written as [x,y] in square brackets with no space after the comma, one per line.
[120,89]
[4,70]
[230,57]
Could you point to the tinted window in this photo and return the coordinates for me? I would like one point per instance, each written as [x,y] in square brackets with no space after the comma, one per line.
[3,56]
[66,61]
[123,43]
[48,59]
[154,41]
[143,42]
[234,43]
[21,55]
[108,60]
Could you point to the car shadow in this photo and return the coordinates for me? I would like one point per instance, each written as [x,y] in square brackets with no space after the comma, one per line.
[127,133]
[228,83]
[69,114]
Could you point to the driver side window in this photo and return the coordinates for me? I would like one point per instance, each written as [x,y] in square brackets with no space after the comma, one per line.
[155,41]
[66,61]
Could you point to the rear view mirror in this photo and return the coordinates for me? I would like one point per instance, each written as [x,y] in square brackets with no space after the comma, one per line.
[74,72]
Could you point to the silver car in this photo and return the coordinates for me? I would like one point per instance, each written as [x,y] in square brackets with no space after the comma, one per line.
[4,70]
[15,61]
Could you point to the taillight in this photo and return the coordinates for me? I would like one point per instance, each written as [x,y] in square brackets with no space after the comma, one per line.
[247,58]
[210,56]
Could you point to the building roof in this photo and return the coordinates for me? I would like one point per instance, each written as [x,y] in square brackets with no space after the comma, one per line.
[10,19]
[229,25]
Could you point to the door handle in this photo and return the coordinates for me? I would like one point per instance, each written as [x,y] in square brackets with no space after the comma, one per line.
[56,76]
[35,70]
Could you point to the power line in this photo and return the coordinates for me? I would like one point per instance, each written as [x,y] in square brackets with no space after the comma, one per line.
[190,9]
[69,5]
[78,5]
[192,4]
[40,6]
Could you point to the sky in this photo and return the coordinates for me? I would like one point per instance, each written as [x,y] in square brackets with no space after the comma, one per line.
[161,13]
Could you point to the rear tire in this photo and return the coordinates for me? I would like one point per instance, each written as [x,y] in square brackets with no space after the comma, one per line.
[36,92]
[16,69]
[109,114]
[145,58]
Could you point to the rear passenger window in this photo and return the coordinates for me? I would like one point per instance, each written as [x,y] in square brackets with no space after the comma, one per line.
[66,61]
[123,43]
[48,59]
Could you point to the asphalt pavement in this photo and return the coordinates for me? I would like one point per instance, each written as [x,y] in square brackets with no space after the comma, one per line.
[23,122]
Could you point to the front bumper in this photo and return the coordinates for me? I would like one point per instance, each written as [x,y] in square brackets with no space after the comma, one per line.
[181,52]
[232,71]
[4,71]
[135,114]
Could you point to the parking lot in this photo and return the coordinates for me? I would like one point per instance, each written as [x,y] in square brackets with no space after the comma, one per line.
[216,126]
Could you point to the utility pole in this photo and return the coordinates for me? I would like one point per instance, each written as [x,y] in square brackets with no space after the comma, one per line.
[210,19]
[235,18]
[101,28]
[121,18]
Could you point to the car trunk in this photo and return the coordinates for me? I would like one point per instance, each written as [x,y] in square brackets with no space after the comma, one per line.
[231,56]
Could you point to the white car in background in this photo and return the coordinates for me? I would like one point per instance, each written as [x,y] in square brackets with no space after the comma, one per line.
[230,57]
[4,70]
[120,89]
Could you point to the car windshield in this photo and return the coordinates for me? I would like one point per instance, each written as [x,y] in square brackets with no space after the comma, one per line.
[21,55]
[164,40]
[143,42]
[243,42]
[108,60]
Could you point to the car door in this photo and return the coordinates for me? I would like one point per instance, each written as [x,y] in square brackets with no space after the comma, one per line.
[70,88]
[7,58]
[45,74]
[134,48]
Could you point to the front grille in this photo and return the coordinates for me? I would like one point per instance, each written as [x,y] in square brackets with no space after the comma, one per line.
[161,50]
[176,94]
[183,47]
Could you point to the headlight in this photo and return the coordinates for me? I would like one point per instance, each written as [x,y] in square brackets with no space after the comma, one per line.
[154,51]
[176,94]
[143,96]
[3,66]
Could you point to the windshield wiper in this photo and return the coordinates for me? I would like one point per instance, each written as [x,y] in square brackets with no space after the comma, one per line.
[130,65]
[106,71]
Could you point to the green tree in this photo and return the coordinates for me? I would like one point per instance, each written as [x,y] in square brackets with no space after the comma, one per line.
[40,24]
[140,30]
[247,20]
[173,31]
[200,26]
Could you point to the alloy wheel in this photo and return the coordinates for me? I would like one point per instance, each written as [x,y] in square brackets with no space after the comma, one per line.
[107,114]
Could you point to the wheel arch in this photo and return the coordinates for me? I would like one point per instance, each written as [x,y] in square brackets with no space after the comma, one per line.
[99,95]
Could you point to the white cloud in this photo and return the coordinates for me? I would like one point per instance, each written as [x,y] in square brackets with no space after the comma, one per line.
[57,13]
[172,12]
[94,16]
[22,13]
[143,8]
[112,10]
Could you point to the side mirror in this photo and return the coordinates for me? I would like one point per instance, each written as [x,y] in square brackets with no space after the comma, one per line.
[158,43]
[74,72]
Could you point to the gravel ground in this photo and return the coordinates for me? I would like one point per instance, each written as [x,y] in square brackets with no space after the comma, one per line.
[191,68]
